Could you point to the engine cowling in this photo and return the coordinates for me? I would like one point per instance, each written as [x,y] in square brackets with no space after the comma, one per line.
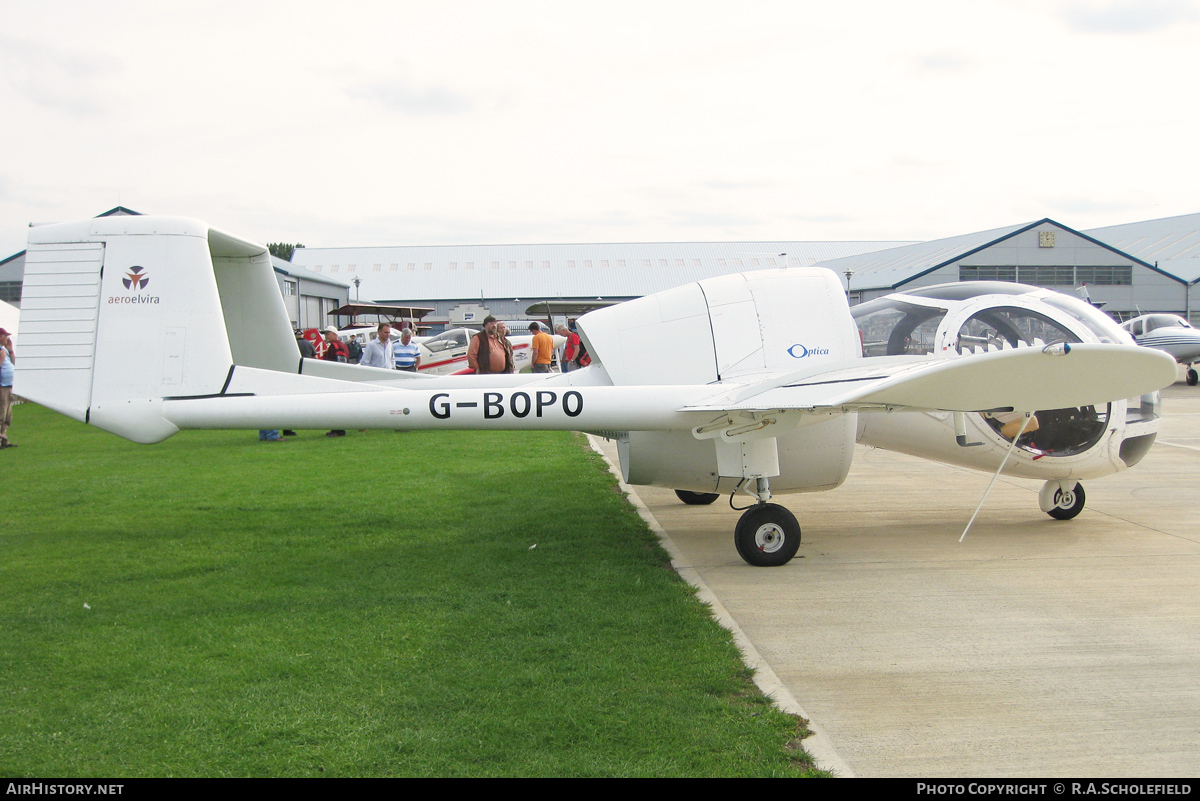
[816,457]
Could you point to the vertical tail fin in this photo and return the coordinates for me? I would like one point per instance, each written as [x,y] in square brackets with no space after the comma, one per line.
[120,312]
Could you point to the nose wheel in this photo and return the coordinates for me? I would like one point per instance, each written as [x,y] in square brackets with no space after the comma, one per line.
[1192,378]
[767,535]
[1062,500]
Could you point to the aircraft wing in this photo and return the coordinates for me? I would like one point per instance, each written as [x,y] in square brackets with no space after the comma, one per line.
[1022,379]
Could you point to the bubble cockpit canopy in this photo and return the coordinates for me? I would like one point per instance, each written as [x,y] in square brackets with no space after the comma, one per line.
[448,340]
[907,323]
[892,327]
[975,317]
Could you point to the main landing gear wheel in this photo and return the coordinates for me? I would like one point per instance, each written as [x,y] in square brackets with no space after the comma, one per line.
[1192,378]
[1062,503]
[696,498]
[767,535]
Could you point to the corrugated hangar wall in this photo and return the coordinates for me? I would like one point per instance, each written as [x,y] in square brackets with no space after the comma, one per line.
[1123,284]
[1044,253]
[504,280]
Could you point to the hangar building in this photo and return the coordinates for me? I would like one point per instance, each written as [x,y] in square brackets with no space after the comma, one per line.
[1042,253]
[1172,244]
[464,283]
[1150,266]
[309,297]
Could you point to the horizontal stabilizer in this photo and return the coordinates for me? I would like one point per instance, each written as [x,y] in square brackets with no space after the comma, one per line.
[1024,379]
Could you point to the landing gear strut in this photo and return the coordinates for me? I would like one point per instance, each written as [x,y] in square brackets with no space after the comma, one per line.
[1062,500]
[767,535]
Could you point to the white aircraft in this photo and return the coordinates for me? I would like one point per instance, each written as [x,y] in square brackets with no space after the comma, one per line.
[143,326]
[1170,333]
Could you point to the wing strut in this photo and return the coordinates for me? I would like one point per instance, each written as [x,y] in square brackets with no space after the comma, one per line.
[1004,461]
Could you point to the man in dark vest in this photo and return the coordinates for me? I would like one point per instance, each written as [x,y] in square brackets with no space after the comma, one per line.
[486,354]
[306,348]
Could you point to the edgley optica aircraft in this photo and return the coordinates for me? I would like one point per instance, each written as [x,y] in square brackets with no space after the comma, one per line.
[1170,333]
[767,384]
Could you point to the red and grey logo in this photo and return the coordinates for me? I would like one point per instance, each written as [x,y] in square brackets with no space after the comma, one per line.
[136,278]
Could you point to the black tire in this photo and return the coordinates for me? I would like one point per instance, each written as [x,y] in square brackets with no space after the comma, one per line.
[767,535]
[696,498]
[1068,512]
[1192,378]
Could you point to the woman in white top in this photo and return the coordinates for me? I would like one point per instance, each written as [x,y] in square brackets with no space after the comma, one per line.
[7,360]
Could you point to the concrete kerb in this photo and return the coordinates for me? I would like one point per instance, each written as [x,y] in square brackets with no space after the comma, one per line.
[818,745]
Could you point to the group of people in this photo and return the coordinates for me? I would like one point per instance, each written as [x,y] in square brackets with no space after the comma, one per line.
[382,350]
[490,352]
[392,354]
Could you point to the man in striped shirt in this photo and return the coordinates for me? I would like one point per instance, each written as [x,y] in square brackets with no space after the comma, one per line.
[408,353]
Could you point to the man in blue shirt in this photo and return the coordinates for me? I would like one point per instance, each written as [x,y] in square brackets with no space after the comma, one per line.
[408,353]
[378,352]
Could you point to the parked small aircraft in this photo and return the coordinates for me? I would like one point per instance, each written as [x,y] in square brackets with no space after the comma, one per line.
[1169,333]
[767,382]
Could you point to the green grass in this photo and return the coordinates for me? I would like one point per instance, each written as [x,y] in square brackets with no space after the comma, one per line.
[366,606]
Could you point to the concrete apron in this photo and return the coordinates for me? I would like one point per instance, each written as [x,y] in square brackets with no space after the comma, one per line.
[1035,648]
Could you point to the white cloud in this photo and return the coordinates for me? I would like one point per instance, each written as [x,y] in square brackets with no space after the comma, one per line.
[1128,16]
[531,121]
[1068,207]
[943,61]
[403,95]
[68,80]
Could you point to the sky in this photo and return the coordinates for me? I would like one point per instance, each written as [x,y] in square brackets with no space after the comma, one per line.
[521,121]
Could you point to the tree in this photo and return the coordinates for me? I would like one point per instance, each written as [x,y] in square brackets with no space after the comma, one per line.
[283,250]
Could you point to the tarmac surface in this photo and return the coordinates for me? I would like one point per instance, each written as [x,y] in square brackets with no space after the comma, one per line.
[1035,648]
